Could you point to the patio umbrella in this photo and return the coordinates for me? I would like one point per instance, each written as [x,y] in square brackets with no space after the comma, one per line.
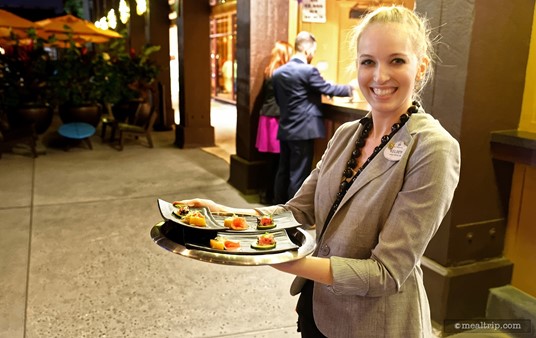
[81,30]
[11,23]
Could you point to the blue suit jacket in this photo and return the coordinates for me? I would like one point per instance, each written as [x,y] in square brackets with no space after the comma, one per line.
[298,91]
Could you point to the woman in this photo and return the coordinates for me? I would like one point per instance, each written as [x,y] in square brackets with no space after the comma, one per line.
[267,141]
[378,195]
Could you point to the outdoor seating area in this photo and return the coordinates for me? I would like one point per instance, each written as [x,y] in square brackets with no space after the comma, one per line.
[67,67]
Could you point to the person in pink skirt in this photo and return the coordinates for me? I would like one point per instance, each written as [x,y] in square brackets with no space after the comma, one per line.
[267,141]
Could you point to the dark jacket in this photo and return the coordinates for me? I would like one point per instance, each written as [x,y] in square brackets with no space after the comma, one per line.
[298,91]
[269,106]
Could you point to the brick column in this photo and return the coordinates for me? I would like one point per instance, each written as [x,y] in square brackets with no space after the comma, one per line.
[260,24]
[194,75]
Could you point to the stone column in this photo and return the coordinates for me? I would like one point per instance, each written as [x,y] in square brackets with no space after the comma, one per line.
[194,75]
[478,88]
[260,24]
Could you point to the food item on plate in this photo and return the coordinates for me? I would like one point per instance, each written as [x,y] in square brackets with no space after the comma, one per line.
[182,209]
[265,222]
[195,218]
[235,223]
[222,243]
[265,241]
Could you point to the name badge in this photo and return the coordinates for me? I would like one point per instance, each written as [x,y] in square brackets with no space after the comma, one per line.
[394,151]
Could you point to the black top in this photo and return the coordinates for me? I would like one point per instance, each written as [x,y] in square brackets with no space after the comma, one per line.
[269,107]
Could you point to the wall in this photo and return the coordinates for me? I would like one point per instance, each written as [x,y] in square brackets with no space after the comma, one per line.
[520,242]
[528,112]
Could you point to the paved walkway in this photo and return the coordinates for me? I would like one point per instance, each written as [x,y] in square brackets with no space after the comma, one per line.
[76,258]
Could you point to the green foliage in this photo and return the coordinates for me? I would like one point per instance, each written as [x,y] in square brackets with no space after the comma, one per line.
[74,7]
[25,72]
[106,73]
[135,70]
[83,77]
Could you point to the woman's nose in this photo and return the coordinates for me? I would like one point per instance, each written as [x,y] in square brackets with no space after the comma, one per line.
[380,74]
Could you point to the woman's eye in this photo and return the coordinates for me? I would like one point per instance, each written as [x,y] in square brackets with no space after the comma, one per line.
[365,62]
[399,61]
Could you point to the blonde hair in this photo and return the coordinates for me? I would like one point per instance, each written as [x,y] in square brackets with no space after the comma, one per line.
[281,54]
[417,29]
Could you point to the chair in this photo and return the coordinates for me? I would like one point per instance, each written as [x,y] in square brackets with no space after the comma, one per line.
[142,122]
[107,119]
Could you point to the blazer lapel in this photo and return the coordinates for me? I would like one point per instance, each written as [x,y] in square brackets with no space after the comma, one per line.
[379,165]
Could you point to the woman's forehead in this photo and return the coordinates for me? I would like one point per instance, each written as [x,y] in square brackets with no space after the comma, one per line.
[384,38]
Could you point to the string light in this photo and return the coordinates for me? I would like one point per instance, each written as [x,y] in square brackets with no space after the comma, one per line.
[103,23]
[124,11]
[112,20]
[141,7]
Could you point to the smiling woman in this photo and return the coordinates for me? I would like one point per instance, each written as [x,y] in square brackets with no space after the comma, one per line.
[377,197]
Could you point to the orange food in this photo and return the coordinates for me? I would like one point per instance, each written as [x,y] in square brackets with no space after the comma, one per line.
[221,243]
[196,218]
[231,245]
[235,223]
[215,244]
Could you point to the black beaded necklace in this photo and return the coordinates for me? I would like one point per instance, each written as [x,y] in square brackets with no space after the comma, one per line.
[351,172]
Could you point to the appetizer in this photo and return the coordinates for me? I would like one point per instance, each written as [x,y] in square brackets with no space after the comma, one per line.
[265,222]
[182,209]
[235,223]
[265,241]
[222,243]
[195,218]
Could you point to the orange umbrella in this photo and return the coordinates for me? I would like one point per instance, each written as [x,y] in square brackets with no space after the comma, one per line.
[11,23]
[80,30]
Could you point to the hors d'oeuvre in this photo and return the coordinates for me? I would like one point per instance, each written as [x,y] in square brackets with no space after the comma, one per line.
[265,241]
[235,223]
[181,209]
[195,218]
[222,243]
[265,222]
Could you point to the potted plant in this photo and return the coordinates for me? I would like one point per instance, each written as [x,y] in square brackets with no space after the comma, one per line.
[83,81]
[135,73]
[25,86]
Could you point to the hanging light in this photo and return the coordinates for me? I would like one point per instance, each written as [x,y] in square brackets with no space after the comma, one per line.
[103,23]
[124,11]
[141,7]
[112,19]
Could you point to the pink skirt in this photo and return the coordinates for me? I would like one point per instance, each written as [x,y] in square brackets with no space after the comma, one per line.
[267,141]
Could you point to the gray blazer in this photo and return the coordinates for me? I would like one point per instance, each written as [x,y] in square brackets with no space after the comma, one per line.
[378,234]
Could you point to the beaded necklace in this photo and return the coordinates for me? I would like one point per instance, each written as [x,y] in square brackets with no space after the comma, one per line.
[351,172]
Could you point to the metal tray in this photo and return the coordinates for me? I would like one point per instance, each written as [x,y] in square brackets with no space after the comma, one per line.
[171,236]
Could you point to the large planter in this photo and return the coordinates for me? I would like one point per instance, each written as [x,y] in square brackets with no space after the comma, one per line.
[37,114]
[90,113]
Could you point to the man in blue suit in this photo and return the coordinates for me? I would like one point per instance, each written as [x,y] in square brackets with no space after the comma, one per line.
[298,88]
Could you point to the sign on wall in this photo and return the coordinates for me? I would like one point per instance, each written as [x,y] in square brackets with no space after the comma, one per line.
[313,11]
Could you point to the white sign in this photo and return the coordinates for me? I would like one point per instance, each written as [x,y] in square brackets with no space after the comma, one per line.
[314,11]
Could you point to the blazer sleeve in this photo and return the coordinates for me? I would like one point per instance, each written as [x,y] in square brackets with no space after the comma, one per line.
[318,84]
[431,178]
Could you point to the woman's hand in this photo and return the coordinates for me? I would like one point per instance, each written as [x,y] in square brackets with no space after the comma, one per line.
[200,202]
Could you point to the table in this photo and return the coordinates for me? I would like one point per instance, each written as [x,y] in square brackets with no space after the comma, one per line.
[78,131]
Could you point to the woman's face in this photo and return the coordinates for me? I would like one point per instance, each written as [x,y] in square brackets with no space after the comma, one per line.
[387,67]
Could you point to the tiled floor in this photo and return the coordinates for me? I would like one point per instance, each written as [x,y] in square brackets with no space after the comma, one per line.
[76,258]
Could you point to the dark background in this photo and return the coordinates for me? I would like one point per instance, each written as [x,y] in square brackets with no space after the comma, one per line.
[33,10]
